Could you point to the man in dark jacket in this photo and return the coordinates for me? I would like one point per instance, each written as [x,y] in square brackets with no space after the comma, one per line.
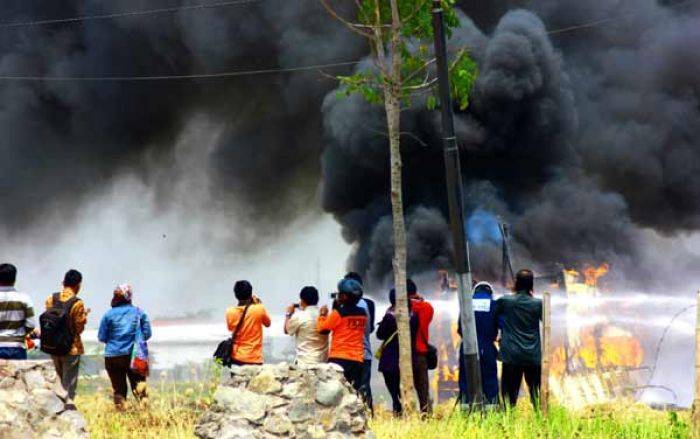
[486,333]
[520,342]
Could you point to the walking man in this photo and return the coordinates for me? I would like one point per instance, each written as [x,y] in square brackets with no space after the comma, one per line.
[16,316]
[520,341]
[300,322]
[62,324]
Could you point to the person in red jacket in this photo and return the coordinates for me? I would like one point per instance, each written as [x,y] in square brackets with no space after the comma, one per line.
[424,310]
[346,324]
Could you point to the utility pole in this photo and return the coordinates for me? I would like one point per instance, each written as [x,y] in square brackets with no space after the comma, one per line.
[453,175]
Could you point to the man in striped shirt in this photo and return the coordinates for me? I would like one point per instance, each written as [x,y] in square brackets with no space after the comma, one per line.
[16,316]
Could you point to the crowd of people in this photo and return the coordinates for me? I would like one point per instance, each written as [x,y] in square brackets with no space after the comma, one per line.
[339,334]
[61,327]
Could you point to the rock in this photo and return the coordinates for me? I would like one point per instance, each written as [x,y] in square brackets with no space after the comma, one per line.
[273,401]
[34,379]
[277,424]
[301,411]
[329,393]
[74,419]
[32,403]
[352,404]
[47,402]
[265,382]
[241,403]
[292,390]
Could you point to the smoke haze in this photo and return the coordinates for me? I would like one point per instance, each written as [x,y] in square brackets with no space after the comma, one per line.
[585,142]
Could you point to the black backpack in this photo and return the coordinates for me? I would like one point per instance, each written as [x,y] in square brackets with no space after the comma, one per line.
[56,337]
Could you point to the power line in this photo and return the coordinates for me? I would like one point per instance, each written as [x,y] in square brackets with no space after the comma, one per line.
[176,77]
[228,74]
[82,18]
[601,21]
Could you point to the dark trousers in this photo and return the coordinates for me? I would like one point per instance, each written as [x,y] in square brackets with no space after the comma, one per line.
[489,374]
[119,371]
[422,382]
[13,354]
[365,384]
[67,369]
[512,376]
[352,370]
[392,380]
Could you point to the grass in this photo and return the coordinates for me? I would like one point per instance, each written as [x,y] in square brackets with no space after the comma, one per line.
[173,409]
[170,411]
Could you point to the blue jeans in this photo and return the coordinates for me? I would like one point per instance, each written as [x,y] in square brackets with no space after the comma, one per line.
[13,353]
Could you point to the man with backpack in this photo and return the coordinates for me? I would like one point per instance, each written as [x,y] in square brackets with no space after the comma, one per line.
[61,325]
[16,316]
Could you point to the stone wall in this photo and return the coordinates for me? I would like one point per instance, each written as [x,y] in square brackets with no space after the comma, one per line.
[281,400]
[33,404]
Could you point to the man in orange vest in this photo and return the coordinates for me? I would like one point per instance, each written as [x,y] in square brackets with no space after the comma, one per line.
[346,324]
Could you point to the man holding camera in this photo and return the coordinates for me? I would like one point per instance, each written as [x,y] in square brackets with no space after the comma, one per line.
[346,322]
[246,321]
[300,322]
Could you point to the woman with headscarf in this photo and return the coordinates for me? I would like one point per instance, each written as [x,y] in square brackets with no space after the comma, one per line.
[118,330]
[389,351]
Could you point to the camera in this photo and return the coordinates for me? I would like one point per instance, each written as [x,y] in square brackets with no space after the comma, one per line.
[334,296]
[296,306]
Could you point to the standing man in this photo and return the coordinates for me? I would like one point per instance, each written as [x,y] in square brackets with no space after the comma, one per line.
[346,323]
[311,346]
[366,304]
[424,310]
[246,321]
[62,324]
[16,316]
[486,333]
[520,342]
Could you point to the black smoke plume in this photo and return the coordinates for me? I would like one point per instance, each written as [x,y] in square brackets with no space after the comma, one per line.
[585,141]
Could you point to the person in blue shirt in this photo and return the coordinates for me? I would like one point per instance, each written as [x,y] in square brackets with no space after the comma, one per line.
[118,332]
[486,333]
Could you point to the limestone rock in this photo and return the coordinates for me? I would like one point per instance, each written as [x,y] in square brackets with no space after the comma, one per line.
[265,382]
[274,401]
[241,403]
[277,424]
[329,393]
[32,403]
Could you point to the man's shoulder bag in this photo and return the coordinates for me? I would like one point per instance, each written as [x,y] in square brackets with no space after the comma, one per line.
[224,352]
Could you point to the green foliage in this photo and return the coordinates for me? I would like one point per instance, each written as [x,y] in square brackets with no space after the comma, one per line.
[417,66]
[463,73]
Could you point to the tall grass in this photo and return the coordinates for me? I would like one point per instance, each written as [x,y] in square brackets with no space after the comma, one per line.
[173,408]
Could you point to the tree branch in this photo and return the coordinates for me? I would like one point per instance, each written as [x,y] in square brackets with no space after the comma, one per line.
[354,27]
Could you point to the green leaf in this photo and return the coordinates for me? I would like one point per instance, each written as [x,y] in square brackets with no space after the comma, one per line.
[431,103]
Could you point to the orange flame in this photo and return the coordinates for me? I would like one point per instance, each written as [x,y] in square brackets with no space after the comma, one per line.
[592,274]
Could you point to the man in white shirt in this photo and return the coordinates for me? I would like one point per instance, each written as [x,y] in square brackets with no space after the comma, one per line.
[16,316]
[300,322]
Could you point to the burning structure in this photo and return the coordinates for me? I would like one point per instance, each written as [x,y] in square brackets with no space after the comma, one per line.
[599,351]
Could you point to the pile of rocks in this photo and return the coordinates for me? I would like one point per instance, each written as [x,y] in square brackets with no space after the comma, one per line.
[282,400]
[34,404]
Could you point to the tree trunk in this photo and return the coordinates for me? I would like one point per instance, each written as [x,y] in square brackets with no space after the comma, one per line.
[392,103]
